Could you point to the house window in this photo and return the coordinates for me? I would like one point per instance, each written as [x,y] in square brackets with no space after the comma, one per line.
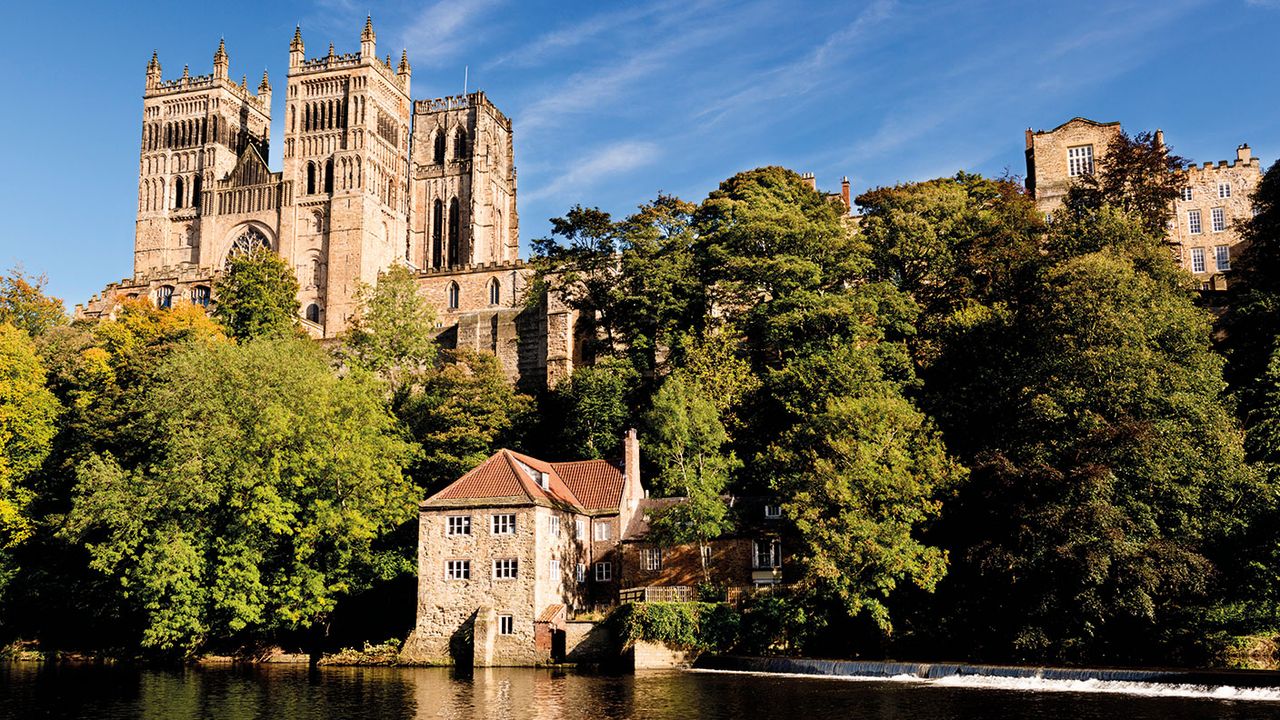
[1197,260]
[1080,160]
[604,572]
[458,525]
[164,296]
[581,572]
[457,569]
[1224,189]
[502,524]
[1218,219]
[554,526]
[767,554]
[1222,257]
[200,295]
[1193,222]
[506,568]
[506,625]
[651,558]
[1186,194]
[602,530]
[555,569]
[580,529]
[773,512]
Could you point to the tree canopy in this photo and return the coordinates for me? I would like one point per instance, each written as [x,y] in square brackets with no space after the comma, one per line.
[257,295]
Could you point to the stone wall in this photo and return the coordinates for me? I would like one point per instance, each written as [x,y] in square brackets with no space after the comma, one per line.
[1048,176]
[1241,176]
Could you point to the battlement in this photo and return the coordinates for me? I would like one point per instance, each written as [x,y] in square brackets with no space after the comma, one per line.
[460,102]
[193,83]
[475,268]
[345,61]
[1244,159]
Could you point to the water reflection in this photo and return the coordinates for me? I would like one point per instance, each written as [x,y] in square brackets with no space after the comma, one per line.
[295,693]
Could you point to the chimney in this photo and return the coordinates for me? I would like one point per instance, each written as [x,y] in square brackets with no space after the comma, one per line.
[1159,138]
[1244,154]
[631,458]
[1030,140]
[809,178]
[544,481]
[844,192]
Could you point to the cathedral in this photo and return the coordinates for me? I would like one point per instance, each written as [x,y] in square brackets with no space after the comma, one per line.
[370,178]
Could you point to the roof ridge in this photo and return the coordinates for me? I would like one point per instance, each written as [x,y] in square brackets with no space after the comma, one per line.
[521,478]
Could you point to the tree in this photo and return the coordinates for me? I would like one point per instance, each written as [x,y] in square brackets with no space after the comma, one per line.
[463,412]
[257,296]
[687,442]
[269,480]
[23,303]
[27,415]
[1137,175]
[1252,321]
[578,263]
[394,332]
[593,408]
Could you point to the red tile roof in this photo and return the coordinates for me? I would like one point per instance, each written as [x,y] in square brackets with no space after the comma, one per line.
[597,483]
[588,484]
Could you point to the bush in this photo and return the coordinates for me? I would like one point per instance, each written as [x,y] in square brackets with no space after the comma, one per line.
[697,626]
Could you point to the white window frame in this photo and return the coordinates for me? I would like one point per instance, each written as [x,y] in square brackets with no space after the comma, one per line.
[581,572]
[458,525]
[1193,222]
[1187,194]
[506,625]
[601,530]
[1079,160]
[554,567]
[1197,260]
[580,529]
[1218,219]
[1224,190]
[1222,257]
[553,525]
[604,571]
[773,548]
[651,559]
[772,512]
[457,569]
[502,524]
[506,569]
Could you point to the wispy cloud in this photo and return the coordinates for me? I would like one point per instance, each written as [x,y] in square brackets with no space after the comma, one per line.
[580,33]
[441,31]
[611,160]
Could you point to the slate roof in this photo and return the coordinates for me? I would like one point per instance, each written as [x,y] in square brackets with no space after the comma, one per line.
[746,512]
[508,475]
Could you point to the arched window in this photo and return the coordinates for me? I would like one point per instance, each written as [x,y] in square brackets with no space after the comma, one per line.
[454,293]
[328,175]
[439,147]
[195,191]
[177,193]
[317,272]
[495,291]
[164,297]
[200,295]
[453,232]
[437,231]
[311,178]
[249,241]
[313,313]
[460,148]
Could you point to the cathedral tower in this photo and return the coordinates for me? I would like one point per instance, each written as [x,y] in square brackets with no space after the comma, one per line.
[346,145]
[464,184]
[193,130]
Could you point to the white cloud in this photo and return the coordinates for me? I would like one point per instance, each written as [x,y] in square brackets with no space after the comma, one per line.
[441,31]
[580,33]
[610,160]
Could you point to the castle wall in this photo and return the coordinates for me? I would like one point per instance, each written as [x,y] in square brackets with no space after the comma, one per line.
[1240,177]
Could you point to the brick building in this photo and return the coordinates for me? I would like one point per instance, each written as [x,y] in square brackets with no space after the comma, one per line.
[1215,195]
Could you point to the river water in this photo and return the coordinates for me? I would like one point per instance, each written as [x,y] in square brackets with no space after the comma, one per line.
[29,691]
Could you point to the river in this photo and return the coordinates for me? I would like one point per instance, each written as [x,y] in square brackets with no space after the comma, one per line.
[30,691]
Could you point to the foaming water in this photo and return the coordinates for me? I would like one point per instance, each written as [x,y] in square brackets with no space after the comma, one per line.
[1046,685]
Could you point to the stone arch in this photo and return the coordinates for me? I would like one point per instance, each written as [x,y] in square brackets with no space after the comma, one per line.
[455,295]
[437,233]
[246,238]
[495,291]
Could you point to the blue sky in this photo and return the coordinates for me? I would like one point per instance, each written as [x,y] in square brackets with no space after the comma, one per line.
[616,101]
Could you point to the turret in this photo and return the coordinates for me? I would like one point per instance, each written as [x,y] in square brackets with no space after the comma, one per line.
[264,91]
[297,52]
[153,71]
[368,39]
[404,72]
[220,61]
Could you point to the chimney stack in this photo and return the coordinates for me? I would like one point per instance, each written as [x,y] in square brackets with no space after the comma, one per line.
[631,457]
[809,178]
[1244,154]
[844,192]
[1159,138]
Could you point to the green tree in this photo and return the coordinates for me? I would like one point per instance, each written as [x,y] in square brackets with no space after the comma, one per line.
[463,411]
[268,482]
[394,332]
[257,296]
[593,408]
[688,444]
[28,412]
[1252,321]
[1137,175]
[23,303]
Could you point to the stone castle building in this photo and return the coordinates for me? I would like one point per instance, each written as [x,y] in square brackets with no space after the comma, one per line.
[370,178]
[1215,196]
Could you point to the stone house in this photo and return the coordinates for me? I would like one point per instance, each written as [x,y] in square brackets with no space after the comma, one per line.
[1216,196]
[510,551]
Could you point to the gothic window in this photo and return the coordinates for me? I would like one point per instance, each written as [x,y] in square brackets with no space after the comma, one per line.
[454,293]
[328,175]
[311,178]
[200,295]
[439,155]
[453,232]
[164,297]
[248,242]
[495,291]
[177,193]
[195,191]
[460,147]
[306,117]
[313,313]
[317,221]
[437,231]
[317,272]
